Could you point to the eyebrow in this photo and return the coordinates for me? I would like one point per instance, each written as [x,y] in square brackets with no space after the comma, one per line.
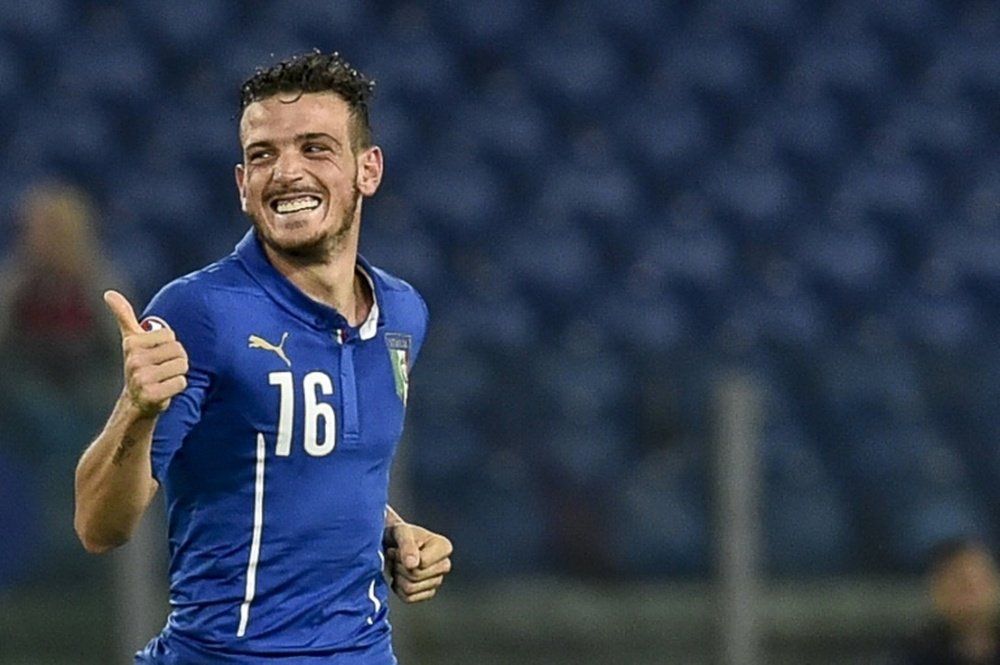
[299,138]
[312,136]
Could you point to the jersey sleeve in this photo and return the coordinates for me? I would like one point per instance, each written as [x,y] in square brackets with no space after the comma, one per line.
[181,306]
[421,332]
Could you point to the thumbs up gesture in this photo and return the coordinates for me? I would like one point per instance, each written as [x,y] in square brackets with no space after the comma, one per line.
[155,362]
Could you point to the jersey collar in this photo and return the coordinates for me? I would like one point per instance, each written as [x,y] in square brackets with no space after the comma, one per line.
[251,254]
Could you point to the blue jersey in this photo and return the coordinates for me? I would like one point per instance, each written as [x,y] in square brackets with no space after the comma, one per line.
[275,465]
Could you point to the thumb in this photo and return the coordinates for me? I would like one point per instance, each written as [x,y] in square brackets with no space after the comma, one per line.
[123,313]
[409,551]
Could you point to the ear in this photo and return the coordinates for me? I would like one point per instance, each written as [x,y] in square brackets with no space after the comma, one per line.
[370,170]
[240,174]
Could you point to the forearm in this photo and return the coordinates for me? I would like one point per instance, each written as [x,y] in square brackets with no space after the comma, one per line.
[114,484]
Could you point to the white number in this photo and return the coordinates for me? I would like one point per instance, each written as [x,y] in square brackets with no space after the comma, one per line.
[316,411]
[285,412]
[313,385]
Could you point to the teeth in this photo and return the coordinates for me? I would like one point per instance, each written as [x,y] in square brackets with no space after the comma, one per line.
[296,205]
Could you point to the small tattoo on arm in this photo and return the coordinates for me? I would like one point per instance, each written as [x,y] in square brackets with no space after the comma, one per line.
[124,448]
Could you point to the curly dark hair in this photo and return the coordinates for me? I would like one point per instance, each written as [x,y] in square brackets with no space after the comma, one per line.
[316,72]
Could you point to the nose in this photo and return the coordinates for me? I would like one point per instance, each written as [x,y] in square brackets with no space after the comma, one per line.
[287,168]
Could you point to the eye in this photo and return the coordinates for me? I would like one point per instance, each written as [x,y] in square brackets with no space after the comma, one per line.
[258,155]
[314,148]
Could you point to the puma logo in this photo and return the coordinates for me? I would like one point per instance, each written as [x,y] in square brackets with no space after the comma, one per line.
[257,342]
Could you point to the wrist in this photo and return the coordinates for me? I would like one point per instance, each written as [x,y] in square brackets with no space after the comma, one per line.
[132,413]
[392,518]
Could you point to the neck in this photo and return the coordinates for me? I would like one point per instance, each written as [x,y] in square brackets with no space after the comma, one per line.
[332,280]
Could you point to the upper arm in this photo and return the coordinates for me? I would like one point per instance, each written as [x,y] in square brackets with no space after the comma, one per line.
[182,305]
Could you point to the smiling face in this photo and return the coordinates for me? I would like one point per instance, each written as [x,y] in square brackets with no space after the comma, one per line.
[301,180]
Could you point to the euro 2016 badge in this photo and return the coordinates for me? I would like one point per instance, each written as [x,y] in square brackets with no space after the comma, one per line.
[399,356]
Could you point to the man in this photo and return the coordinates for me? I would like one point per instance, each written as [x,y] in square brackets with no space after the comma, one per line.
[964,587]
[266,394]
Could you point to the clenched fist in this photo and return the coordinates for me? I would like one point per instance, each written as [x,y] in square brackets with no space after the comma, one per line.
[155,362]
[417,561]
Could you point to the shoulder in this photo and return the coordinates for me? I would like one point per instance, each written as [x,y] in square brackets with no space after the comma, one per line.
[400,296]
[197,305]
[197,292]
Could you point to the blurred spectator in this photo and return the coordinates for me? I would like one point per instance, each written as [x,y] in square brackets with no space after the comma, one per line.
[58,349]
[964,586]
[56,343]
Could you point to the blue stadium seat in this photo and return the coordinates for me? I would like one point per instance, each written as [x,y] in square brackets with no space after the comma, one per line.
[721,70]
[859,385]
[775,19]
[808,133]
[500,323]
[186,27]
[896,192]
[492,28]
[579,383]
[20,513]
[110,66]
[181,136]
[972,255]
[507,126]
[854,71]
[577,73]
[966,68]
[942,322]
[808,525]
[12,77]
[909,19]
[759,200]
[851,264]
[449,192]
[660,518]
[946,134]
[980,199]
[33,24]
[424,69]
[644,323]
[397,131]
[590,451]
[914,486]
[668,132]
[64,136]
[501,521]
[551,263]
[412,253]
[606,195]
[236,55]
[604,204]
[792,320]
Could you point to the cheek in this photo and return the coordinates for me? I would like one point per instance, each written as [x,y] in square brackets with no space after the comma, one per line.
[253,184]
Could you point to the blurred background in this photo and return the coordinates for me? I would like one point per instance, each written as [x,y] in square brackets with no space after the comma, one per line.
[714,291]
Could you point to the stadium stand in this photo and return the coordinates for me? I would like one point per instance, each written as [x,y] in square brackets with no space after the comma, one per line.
[600,222]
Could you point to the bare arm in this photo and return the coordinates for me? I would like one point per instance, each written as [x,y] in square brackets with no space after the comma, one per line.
[114,482]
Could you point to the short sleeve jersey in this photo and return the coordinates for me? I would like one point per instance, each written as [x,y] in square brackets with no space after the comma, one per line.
[275,464]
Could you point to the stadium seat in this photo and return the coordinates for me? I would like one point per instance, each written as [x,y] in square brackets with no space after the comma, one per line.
[605,205]
[660,518]
[20,514]
[852,265]
[186,27]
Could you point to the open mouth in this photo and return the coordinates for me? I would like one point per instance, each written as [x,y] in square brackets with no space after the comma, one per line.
[298,203]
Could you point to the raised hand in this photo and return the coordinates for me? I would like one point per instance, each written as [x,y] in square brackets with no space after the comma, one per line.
[155,363]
